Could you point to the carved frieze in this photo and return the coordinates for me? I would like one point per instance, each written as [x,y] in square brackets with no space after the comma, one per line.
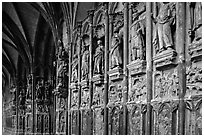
[166,86]
[138,91]
[98,96]
[193,81]
[115,94]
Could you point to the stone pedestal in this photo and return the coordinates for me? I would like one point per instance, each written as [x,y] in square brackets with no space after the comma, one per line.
[116,74]
[137,67]
[195,50]
[74,87]
[85,84]
[98,79]
[165,59]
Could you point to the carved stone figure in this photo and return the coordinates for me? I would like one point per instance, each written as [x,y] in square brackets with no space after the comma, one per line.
[137,42]
[62,122]
[74,100]
[116,57]
[22,97]
[47,91]
[99,58]
[196,19]
[163,32]
[166,86]
[74,69]
[85,63]
[85,99]
[138,92]
[39,91]
[29,88]
[98,96]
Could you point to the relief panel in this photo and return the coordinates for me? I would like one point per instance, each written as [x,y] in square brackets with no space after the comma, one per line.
[98,121]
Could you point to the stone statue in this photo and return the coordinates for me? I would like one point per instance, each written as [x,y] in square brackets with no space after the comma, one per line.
[22,97]
[138,42]
[163,21]
[99,58]
[197,21]
[74,68]
[116,57]
[85,63]
[47,90]
[39,90]
[29,88]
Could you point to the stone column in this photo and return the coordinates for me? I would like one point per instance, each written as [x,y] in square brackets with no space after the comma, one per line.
[91,14]
[130,23]
[79,26]
[110,31]
[149,66]
[17,91]
[106,79]
[125,69]
[69,89]
[180,43]
[33,99]
[188,38]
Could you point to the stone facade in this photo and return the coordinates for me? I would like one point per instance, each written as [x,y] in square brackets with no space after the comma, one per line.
[131,68]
